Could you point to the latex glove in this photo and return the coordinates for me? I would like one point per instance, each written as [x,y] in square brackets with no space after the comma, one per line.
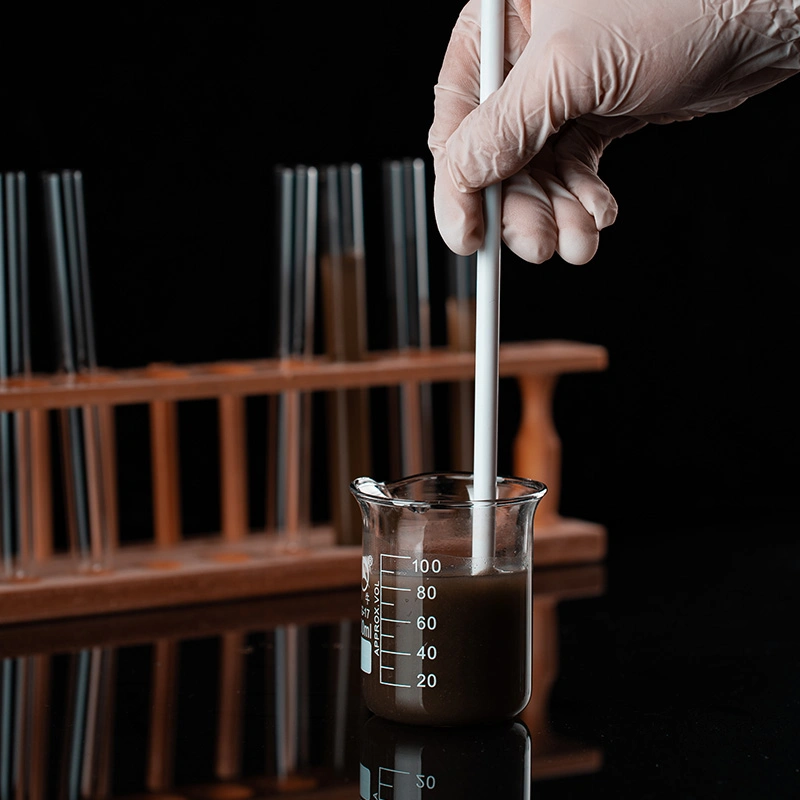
[579,74]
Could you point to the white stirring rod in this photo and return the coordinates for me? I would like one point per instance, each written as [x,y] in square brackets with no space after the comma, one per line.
[487,319]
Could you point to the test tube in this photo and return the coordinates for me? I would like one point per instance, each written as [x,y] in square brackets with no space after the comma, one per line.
[289,476]
[343,265]
[85,431]
[460,318]
[6,479]
[420,212]
[411,404]
[101,439]
[297,191]
[16,447]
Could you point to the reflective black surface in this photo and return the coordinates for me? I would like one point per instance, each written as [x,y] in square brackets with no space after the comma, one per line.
[670,671]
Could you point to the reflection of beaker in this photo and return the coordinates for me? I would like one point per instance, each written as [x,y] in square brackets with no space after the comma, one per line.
[446,639]
[411,761]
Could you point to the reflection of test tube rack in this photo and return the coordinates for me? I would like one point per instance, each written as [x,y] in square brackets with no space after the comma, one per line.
[236,560]
[34,711]
[555,755]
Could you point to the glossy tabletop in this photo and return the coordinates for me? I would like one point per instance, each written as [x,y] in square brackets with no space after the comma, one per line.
[670,670]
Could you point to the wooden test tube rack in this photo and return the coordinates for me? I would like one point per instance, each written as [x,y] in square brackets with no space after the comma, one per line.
[238,563]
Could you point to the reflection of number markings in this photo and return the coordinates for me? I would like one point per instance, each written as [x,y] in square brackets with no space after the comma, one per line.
[382,778]
[388,587]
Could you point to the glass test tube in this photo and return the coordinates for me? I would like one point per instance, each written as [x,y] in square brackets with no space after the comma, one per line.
[289,475]
[15,431]
[411,404]
[297,191]
[16,446]
[460,317]
[343,264]
[85,431]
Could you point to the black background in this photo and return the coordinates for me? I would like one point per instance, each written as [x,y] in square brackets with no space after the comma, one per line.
[177,117]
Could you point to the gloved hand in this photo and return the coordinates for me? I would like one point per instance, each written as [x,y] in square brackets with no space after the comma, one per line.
[581,73]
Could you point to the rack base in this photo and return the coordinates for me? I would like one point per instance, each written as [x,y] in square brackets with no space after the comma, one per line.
[208,570]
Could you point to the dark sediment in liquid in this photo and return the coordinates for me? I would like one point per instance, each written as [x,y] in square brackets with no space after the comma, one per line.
[481,636]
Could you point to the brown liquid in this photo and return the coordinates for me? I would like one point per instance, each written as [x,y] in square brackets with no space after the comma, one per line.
[481,635]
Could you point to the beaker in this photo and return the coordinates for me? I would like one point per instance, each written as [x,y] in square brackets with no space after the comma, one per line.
[445,637]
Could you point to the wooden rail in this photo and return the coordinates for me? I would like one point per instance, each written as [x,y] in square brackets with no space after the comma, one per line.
[239,563]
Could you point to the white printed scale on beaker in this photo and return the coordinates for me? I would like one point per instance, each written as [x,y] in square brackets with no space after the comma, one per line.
[445,641]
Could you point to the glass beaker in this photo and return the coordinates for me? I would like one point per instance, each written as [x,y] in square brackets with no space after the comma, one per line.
[446,638]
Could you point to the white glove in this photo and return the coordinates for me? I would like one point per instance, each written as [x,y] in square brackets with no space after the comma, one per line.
[581,73]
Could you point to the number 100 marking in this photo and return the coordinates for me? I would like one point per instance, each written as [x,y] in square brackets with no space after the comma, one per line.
[423,565]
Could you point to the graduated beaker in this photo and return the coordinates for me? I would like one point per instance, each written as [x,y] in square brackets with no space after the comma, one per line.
[445,637]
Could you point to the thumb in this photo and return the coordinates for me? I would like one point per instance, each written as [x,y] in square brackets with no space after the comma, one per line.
[540,93]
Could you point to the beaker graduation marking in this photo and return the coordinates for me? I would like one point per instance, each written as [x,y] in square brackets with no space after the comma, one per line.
[382,585]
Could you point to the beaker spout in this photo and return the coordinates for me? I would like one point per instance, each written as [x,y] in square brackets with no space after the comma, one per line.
[370,487]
